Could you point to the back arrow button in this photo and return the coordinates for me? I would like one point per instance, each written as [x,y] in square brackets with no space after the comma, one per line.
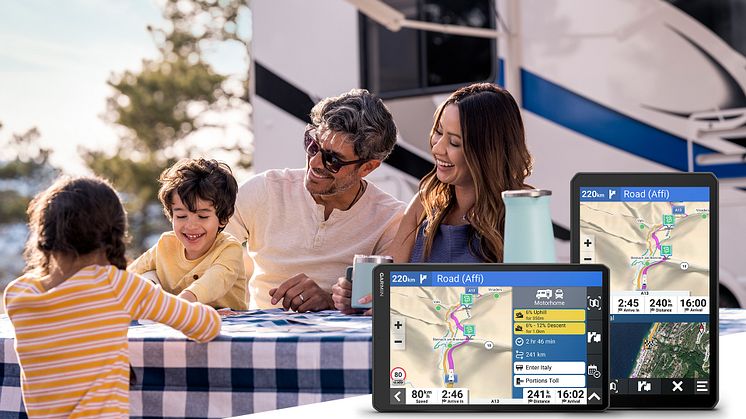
[397,396]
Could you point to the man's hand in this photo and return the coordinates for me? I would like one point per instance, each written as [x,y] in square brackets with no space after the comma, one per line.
[301,293]
[365,300]
[341,295]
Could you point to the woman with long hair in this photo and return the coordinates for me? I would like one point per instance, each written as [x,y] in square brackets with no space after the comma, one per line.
[479,147]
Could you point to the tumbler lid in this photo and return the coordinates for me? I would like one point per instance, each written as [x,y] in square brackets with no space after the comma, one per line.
[373,259]
[533,193]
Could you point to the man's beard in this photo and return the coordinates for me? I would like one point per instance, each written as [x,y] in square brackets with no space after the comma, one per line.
[337,185]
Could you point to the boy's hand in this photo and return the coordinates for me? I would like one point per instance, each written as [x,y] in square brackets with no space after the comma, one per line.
[301,293]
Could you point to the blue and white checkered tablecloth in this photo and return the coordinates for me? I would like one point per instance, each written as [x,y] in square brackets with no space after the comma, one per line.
[262,360]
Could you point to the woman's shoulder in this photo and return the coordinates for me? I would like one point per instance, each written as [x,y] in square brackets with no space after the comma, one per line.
[416,202]
[415,208]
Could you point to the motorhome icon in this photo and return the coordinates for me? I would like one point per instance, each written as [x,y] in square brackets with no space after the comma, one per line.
[543,294]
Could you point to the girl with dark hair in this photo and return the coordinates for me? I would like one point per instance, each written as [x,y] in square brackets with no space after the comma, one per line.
[458,216]
[75,302]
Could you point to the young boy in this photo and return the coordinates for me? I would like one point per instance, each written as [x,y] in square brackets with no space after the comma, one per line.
[198,261]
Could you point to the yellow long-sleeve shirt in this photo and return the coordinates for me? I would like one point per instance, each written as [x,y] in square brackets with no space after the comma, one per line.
[217,278]
[71,340]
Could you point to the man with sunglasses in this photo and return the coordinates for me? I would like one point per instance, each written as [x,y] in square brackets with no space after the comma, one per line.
[303,227]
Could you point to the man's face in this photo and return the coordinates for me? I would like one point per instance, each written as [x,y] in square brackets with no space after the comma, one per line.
[319,180]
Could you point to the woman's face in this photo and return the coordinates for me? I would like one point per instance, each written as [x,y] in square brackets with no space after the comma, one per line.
[447,146]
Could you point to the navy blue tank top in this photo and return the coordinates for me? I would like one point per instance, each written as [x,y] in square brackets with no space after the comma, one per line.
[451,245]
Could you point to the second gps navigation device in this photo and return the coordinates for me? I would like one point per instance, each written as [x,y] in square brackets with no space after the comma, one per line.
[657,233]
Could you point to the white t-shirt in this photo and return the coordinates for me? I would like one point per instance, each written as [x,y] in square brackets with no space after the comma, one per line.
[287,234]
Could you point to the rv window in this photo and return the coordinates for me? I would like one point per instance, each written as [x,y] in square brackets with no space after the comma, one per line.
[411,62]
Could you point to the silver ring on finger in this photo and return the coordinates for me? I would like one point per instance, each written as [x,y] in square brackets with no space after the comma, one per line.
[301,297]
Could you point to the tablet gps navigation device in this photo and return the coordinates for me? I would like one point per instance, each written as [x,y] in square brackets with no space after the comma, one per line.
[490,337]
[657,233]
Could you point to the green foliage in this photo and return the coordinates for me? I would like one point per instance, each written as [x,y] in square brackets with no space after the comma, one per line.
[196,22]
[153,104]
[12,206]
[18,168]
[28,172]
[30,160]
[138,179]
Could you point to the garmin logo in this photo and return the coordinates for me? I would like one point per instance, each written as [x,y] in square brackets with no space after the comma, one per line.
[380,284]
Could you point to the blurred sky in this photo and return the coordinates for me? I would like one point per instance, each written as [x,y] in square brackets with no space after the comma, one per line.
[55,59]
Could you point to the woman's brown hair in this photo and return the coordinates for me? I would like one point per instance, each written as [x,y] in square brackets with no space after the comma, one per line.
[74,217]
[498,160]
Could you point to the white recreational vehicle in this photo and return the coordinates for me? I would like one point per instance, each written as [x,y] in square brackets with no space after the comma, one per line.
[605,85]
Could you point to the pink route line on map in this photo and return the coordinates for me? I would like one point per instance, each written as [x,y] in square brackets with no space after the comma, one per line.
[658,247]
[450,351]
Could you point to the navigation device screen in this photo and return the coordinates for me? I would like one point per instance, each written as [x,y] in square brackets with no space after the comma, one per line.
[489,338]
[656,243]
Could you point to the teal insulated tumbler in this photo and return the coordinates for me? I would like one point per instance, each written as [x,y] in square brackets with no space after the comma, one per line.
[528,227]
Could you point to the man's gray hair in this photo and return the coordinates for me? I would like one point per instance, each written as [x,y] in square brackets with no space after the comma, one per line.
[363,117]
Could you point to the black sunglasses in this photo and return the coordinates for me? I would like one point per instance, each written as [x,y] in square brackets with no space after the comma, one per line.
[330,160]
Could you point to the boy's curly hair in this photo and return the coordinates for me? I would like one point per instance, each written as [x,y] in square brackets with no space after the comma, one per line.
[208,180]
[75,216]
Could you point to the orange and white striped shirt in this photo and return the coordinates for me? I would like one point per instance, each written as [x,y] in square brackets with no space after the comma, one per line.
[72,340]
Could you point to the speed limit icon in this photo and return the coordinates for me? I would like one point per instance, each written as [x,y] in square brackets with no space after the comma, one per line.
[398,374]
